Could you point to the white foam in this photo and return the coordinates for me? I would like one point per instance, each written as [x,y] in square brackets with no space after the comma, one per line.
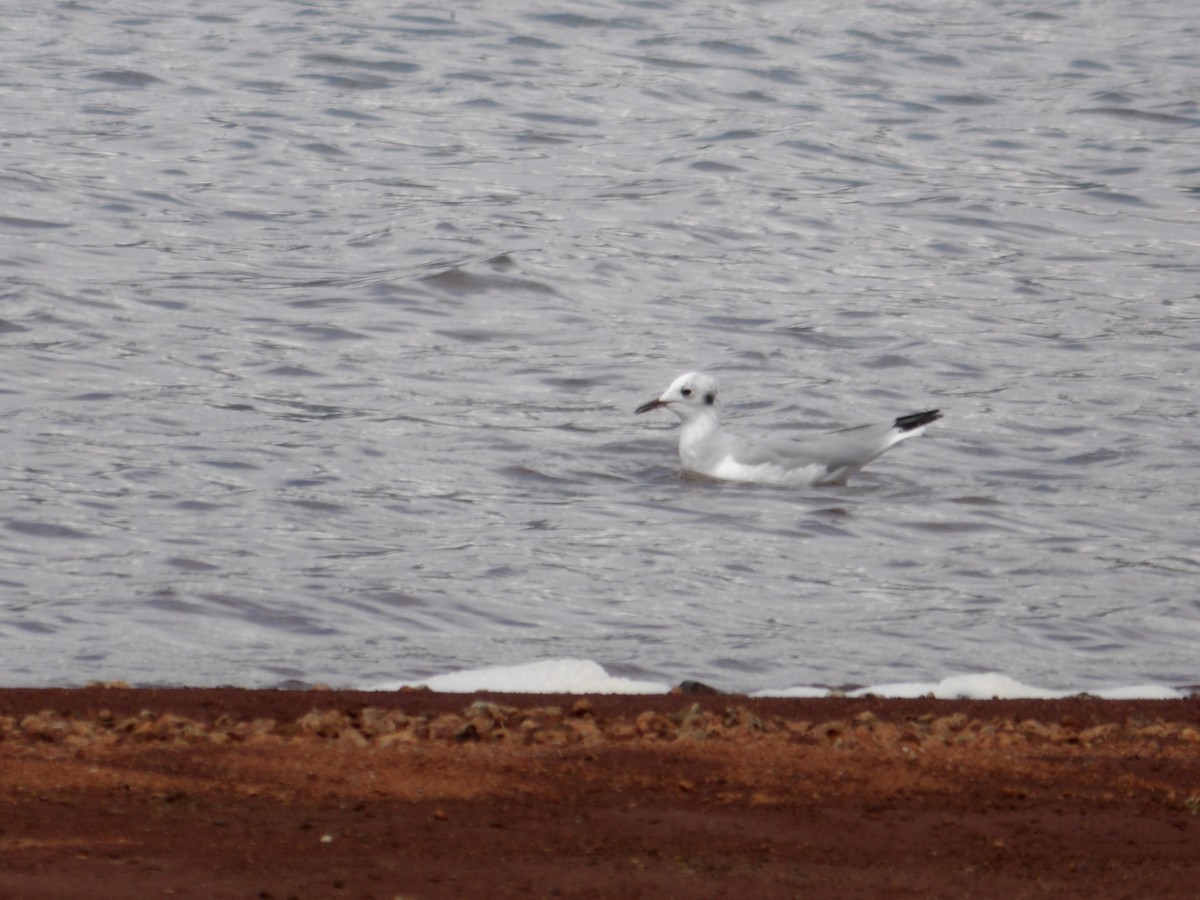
[965,687]
[803,693]
[986,686]
[583,676]
[550,676]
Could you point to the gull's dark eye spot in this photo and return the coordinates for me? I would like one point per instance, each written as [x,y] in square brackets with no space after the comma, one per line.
[710,398]
[687,392]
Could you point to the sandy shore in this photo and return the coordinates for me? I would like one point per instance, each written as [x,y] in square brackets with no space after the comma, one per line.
[112,792]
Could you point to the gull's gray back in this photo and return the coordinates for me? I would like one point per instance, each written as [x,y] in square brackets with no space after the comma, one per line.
[850,448]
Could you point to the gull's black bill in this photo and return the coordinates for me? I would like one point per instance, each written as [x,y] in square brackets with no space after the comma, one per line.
[646,407]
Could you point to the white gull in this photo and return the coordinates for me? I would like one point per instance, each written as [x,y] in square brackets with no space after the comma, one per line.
[823,459]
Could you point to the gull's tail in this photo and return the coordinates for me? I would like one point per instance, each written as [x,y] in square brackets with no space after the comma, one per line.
[917,420]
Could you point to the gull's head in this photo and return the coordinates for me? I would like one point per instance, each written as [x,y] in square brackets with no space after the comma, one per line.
[688,396]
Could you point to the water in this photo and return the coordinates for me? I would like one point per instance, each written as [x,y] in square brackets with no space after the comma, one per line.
[322,325]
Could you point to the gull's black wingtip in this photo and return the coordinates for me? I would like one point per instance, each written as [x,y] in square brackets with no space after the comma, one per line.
[917,420]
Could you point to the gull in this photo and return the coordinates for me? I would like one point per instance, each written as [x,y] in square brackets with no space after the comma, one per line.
[824,459]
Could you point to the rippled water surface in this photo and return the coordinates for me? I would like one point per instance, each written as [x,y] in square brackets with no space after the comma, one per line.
[322,325]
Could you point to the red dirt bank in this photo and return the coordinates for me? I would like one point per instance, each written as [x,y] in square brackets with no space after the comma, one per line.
[112,792]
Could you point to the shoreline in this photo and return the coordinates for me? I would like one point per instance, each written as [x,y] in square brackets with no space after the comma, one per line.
[230,792]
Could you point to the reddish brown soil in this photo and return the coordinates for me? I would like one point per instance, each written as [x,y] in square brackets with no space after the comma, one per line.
[118,793]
